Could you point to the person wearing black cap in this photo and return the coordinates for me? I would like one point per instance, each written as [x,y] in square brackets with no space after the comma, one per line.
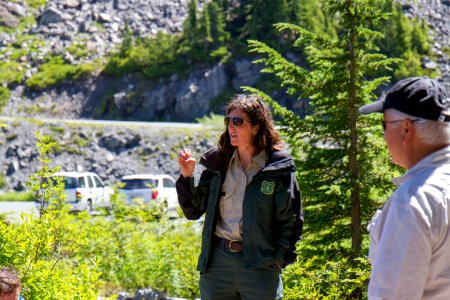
[410,236]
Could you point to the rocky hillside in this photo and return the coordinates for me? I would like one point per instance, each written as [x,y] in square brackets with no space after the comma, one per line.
[99,25]
[110,149]
[436,13]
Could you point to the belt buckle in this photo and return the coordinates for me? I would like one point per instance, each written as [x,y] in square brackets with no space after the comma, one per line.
[230,245]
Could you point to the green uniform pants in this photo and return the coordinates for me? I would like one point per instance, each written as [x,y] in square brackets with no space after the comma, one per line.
[226,279]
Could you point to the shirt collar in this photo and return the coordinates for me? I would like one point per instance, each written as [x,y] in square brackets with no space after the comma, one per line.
[260,158]
[434,159]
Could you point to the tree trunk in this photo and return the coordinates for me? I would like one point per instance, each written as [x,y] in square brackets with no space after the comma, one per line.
[353,163]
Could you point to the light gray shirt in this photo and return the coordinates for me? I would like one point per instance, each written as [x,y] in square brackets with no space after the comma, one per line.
[410,237]
[229,225]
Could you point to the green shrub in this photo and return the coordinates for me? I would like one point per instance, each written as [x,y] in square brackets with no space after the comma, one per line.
[78,50]
[12,136]
[81,142]
[4,97]
[55,71]
[154,57]
[336,279]
[57,129]
[11,72]
[44,249]
[140,248]
[36,3]
[446,50]
[412,66]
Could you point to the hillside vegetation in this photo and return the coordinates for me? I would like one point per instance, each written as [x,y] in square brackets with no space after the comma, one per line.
[216,33]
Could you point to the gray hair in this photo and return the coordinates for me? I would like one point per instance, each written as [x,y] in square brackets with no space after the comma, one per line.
[429,131]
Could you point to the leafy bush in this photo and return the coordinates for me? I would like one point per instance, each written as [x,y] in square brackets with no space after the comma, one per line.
[65,256]
[79,49]
[140,248]
[44,250]
[211,120]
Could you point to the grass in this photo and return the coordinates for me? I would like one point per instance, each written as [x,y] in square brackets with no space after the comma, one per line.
[212,121]
[17,196]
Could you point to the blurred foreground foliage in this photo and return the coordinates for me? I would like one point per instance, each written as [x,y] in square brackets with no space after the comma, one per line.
[62,255]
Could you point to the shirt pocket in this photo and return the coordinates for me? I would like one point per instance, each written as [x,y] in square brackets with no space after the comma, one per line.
[226,200]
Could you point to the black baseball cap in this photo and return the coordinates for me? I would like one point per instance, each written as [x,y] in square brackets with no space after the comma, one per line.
[420,97]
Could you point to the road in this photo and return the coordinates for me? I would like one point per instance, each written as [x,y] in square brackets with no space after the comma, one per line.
[14,208]
[155,125]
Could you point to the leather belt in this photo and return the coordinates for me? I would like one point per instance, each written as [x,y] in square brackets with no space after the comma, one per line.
[231,245]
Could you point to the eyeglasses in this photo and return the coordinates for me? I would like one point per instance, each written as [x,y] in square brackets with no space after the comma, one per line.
[236,121]
[395,121]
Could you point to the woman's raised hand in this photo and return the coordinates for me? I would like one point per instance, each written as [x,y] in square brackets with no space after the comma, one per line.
[186,162]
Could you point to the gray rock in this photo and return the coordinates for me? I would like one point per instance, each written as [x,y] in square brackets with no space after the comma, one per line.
[7,18]
[72,3]
[12,168]
[149,294]
[247,73]
[430,65]
[49,16]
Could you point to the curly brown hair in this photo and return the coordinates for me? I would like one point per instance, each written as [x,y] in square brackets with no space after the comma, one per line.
[267,137]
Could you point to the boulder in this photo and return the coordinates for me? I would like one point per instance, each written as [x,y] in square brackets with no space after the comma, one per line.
[7,18]
[51,16]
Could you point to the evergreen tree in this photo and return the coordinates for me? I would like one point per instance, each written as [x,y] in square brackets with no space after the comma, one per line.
[260,17]
[335,150]
[408,39]
[309,15]
[190,24]
[204,37]
[213,24]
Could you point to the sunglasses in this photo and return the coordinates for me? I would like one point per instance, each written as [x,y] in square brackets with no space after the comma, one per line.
[236,121]
[384,123]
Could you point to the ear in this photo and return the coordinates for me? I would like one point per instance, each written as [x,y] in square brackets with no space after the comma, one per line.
[256,129]
[408,131]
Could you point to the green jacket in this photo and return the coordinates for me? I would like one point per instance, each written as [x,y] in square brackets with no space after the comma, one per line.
[272,211]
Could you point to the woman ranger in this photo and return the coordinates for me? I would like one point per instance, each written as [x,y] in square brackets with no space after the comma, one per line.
[251,199]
